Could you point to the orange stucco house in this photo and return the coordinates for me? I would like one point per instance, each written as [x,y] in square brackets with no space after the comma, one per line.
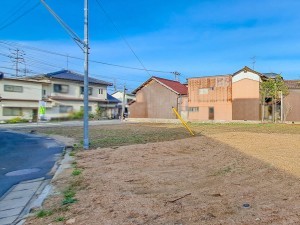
[225,97]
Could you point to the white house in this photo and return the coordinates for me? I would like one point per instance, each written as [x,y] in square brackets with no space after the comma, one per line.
[20,98]
[128,98]
[62,92]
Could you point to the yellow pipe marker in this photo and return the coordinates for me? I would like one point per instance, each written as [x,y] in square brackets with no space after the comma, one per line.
[182,121]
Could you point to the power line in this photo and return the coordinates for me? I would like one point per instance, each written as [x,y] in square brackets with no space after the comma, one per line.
[122,36]
[78,58]
[20,16]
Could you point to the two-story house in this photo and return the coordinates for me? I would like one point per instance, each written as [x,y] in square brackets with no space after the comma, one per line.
[63,92]
[20,98]
[224,98]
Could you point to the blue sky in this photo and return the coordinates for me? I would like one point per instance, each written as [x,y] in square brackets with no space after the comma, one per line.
[195,38]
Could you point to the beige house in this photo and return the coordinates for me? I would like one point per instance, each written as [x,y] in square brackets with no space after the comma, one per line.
[63,93]
[20,98]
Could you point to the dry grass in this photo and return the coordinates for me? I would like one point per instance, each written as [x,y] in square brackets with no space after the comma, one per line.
[184,180]
[128,134]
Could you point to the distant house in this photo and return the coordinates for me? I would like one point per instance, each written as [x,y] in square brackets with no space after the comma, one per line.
[128,98]
[156,97]
[63,92]
[291,106]
[110,108]
[20,98]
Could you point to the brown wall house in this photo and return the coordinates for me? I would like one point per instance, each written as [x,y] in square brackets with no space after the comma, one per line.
[291,106]
[156,97]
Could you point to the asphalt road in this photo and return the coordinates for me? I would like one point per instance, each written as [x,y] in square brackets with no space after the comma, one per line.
[25,157]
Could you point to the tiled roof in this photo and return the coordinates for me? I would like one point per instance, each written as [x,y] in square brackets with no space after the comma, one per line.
[270,75]
[176,86]
[292,84]
[172,85]
[69,75]
[112,99]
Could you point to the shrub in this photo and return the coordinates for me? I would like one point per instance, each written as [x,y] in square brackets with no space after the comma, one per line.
[17,120]
[76,115]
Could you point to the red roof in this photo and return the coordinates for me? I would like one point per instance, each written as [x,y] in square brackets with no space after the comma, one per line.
[176,86]
[172,85]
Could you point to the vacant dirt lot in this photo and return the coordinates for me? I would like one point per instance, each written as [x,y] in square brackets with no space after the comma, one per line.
[205,179]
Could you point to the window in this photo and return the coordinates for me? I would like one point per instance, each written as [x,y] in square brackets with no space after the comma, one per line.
[13,88]
[204,91]
[44,92]
[90,108]
[82,90]
[100,91]
[65,108]
[61,88]
[194,109]
[12,111]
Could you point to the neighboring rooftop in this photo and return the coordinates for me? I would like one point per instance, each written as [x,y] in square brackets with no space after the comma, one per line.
[112,99]
[270,75]
[292,84]
[174,86]
[72,76]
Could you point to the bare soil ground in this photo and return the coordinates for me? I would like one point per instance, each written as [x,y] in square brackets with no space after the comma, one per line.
[198,180]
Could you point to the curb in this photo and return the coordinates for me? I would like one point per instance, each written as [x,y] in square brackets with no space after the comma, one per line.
[39,192]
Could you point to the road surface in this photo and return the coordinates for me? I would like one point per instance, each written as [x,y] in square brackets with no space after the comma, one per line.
[25,157]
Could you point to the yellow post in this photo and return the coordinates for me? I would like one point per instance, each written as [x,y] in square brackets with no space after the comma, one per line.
[182,121]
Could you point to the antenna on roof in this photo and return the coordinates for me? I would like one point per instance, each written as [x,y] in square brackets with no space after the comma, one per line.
[253,62]
[177,74]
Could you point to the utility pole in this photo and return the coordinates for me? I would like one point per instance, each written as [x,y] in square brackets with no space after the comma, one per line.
[115,85]
[86,77]
[17,57]
[67,61]
[123,104]
[281,107]
[84,45]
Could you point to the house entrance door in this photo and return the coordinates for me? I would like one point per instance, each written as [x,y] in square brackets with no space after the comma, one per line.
[34,115]
[211,113]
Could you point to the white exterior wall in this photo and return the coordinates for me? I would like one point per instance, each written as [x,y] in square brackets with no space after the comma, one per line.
[33,92]
[74,90]
[52,109]
[27,100]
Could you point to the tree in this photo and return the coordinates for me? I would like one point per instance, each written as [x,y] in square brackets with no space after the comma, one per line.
[272,88]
